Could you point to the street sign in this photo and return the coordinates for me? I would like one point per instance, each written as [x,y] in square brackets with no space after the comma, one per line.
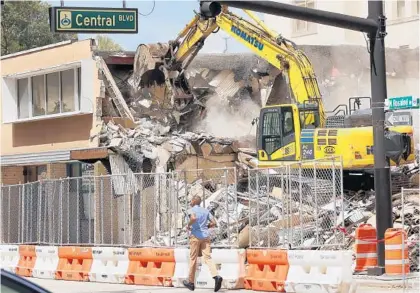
[400,103]
[94,20]
[398,118]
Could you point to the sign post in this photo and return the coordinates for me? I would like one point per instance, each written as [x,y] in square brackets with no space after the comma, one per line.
[94,20]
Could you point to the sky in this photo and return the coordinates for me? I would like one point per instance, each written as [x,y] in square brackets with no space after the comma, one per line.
[162,21]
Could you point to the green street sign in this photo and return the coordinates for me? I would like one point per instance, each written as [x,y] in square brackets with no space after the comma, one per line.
[94,20]
[399,103]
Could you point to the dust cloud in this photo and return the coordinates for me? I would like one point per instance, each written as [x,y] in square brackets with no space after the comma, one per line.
[221,120]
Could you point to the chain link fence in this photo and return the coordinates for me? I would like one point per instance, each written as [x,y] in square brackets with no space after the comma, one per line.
[407,215]
[147,209]
[297,206]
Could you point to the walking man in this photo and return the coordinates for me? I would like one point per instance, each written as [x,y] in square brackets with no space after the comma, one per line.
[200,220]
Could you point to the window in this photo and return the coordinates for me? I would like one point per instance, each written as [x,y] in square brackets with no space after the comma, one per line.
[288,123]
[68,85]
[271,132]
[400,8]
[23,98]
[53,95]
[38,95]
[300,26]
[277,129]
[48,94]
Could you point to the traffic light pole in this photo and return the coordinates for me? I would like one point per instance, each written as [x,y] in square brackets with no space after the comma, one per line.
[374,26]
[382,172]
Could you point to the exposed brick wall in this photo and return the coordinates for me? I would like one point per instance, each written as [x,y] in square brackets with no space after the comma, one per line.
[12,175]
[56,171]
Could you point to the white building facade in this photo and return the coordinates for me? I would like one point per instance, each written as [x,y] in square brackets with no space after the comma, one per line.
[402,23]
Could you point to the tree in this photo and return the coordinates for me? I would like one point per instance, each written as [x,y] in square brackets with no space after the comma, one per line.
[25,25]
[107,44]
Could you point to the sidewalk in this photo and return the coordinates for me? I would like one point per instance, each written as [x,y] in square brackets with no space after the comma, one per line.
[380,284]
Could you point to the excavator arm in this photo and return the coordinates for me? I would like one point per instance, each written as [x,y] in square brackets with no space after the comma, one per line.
[295,70]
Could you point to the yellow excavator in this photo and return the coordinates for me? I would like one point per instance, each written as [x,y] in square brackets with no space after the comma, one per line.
[293,126]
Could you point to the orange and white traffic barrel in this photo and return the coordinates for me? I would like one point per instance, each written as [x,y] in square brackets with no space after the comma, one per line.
[365,248]
[396,252]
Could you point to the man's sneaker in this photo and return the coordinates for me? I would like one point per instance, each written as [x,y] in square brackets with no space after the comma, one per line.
[188,285]
[217,283]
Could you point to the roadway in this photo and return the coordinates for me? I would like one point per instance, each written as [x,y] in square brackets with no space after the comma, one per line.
[368,286]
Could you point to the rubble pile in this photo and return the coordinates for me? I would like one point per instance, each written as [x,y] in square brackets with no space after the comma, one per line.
[267,219]
[151,140]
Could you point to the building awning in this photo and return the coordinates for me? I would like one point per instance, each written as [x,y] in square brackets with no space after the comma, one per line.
[35,158]
[54,156]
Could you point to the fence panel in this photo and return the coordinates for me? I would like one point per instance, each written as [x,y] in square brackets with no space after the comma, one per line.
[152,210]
[268,207]
[217,190]
[11,215]
[407,215]
[298,205]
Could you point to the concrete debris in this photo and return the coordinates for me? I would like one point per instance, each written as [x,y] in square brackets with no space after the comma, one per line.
[149,136]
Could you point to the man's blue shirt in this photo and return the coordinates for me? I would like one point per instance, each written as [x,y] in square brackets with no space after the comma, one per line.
[200,228]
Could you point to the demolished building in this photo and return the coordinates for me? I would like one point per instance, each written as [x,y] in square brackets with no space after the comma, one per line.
[136,133]
[178,138]
[229,90]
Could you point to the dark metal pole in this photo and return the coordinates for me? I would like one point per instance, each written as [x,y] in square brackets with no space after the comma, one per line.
[62,3]
[308,14]
[381,163]
[124,4]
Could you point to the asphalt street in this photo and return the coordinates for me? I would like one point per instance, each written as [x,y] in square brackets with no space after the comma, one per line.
[55,286]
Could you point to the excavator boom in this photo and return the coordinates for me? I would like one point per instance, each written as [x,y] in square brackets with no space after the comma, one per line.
[295,83]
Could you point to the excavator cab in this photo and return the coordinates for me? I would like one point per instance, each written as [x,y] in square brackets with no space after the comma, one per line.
[282,128]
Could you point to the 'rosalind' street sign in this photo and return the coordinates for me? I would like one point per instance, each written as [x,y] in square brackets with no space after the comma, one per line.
[94,20]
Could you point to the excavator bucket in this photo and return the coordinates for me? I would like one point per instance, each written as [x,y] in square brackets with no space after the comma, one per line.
[280,92]
[161,91]
[150,75]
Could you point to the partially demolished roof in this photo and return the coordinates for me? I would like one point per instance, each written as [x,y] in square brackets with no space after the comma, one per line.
[405,62]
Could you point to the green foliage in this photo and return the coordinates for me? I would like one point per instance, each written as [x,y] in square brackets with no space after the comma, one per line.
[107,44]
[25,25]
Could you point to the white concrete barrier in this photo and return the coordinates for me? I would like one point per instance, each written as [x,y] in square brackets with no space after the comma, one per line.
[110,265]
[182,257]
[46,262]
[9,257]
[318,271]
[229,262]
